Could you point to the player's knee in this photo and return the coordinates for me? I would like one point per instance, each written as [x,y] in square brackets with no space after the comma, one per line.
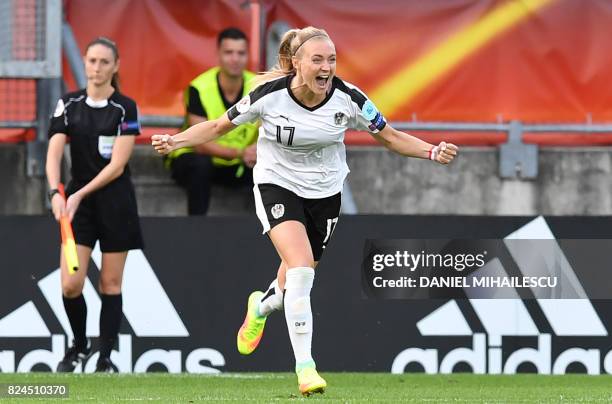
[308,263]
[300,260]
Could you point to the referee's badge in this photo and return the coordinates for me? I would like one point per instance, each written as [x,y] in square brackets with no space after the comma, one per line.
[105,146]
[277,210]
[340,118]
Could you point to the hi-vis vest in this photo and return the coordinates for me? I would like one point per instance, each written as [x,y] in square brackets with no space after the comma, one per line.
[210,96]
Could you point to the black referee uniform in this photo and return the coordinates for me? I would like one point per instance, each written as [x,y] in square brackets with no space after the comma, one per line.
[109,214]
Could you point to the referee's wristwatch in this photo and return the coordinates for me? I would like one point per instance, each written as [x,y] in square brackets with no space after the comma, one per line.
[52,193]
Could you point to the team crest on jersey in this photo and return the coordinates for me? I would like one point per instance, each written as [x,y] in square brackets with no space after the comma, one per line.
[277,210]
[244,105]
[340,118]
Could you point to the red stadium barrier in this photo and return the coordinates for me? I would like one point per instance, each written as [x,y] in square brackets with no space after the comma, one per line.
[17,135]
[353,138]
[568,139]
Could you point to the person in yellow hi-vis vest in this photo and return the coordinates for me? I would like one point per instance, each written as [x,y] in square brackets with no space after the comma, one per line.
[229,160]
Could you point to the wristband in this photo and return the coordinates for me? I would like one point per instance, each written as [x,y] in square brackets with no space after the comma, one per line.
[52,193]
[433,153]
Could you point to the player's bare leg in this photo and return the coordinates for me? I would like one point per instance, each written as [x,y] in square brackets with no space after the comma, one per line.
[261,304]
[292,244]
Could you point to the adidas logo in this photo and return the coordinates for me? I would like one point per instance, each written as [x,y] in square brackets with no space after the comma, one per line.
[146,307]
[575,317]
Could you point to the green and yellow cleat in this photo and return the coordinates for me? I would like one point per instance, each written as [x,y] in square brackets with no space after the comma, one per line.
[251,331]
[310,382]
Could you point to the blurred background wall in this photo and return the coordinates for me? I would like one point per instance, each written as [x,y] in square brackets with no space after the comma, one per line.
[458,70]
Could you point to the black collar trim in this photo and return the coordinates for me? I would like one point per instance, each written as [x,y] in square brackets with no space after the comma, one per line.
[327,97]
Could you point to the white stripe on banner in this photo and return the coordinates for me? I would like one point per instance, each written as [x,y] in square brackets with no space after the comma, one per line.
[493,268]
[567,317]
[515,319]
[502,317]
[25,321]
[445,320]
[145,303]
[573,317]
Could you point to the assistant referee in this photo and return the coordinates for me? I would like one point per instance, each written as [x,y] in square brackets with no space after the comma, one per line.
[101,124]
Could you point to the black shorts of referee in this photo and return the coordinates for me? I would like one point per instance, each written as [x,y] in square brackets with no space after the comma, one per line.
[109,215]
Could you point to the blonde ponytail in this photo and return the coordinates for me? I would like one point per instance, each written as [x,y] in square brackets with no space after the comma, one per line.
[290,43]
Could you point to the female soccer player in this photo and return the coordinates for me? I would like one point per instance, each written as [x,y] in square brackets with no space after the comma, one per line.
[100,123]
[304,110]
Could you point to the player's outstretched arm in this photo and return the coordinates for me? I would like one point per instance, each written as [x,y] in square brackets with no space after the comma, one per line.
[201,133]
[410,146]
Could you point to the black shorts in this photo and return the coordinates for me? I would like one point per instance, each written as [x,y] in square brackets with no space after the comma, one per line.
[276,204]
[110,215]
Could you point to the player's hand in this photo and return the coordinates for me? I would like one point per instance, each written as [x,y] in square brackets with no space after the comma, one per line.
[163,144]
[249,156]
[58,206]
[72,204]
[443,153]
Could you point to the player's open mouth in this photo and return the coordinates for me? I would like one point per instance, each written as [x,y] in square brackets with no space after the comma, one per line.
[322,81]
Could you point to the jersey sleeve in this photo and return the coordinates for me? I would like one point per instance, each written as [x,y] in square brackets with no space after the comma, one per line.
[59,122]
[194,103]
[130,124]
[365,114]
[248,109]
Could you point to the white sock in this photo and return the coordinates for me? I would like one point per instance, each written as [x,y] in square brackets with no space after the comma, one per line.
[272,300]
[298,313]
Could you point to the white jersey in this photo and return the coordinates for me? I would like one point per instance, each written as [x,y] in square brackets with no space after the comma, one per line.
[301,148]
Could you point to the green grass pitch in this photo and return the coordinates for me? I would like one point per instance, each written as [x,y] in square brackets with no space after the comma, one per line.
[342,388]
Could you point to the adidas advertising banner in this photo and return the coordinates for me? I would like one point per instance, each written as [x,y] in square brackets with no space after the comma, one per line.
[184,298]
